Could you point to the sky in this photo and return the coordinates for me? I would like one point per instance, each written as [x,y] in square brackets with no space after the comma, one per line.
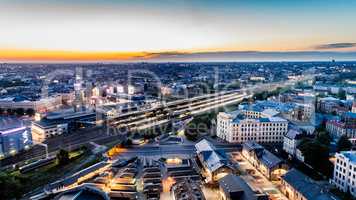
[180,30]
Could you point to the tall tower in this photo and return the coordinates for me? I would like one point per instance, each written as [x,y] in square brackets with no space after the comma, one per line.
[78,101]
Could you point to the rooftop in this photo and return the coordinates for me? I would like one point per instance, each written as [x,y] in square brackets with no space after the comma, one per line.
[83,193]
[351,155]
[266,157]
[213,159]
[236,188]
[59,118]
[306,186]
[293,134]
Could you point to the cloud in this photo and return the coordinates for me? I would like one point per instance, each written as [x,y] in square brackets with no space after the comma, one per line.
[250,56]
[336,45]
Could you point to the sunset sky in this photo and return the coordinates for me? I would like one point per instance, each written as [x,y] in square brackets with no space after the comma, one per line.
[180,30]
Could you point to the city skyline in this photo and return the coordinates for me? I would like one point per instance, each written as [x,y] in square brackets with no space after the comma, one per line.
[92,31]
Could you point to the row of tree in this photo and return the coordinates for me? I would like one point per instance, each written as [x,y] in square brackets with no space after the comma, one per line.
[316,151]
[17,111]
[12,184]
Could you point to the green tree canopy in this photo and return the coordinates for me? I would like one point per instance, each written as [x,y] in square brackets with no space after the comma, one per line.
[10,186]
[63,157]
[20,111]
[323,138]
[316,155]
[30,112]
[343,144]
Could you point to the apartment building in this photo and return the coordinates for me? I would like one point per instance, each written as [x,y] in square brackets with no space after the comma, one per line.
[345,126]
[344,176]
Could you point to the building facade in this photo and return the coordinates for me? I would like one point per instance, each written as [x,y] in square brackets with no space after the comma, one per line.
[233,187]
[239,128]
[291,140]
[264,161]
[41,105]
[215,162]
[297,186]
[344,177]
[345,126]
[58,124]
[14,136]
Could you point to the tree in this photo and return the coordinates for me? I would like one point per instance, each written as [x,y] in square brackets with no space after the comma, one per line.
[323,138]
[9,111]
[343,144]
[192,136]
[316,155]
[63,157]
[342,94]
[20,111]
[2,111]
[30,112]
[10,186]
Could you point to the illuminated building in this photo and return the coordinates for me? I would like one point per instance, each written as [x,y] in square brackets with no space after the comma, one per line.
[14,136]
[82,192]
[233,187]
[267,163]
[215,162]
[41,105]
[187,189]
[297,186]
[60,123]
[238,127]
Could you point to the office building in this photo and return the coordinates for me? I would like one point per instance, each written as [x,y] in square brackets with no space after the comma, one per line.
[237,127]
[60,123]
[14,136]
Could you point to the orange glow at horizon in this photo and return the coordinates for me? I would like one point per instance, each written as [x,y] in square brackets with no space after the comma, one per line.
[57,55]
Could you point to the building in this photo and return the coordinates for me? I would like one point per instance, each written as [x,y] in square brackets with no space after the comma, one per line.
[291,141]
[83,192]
[257,78]
[233,187]
[344,176]
[239,127]
[215,162]
[333,105]
[60,123]
[14,136]
[302,112]
[296,108]
[297,186]
[264,161]
[41,105]
[187,189]
[345,126]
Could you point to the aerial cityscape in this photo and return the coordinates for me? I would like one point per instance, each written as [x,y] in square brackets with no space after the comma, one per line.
[177,100]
